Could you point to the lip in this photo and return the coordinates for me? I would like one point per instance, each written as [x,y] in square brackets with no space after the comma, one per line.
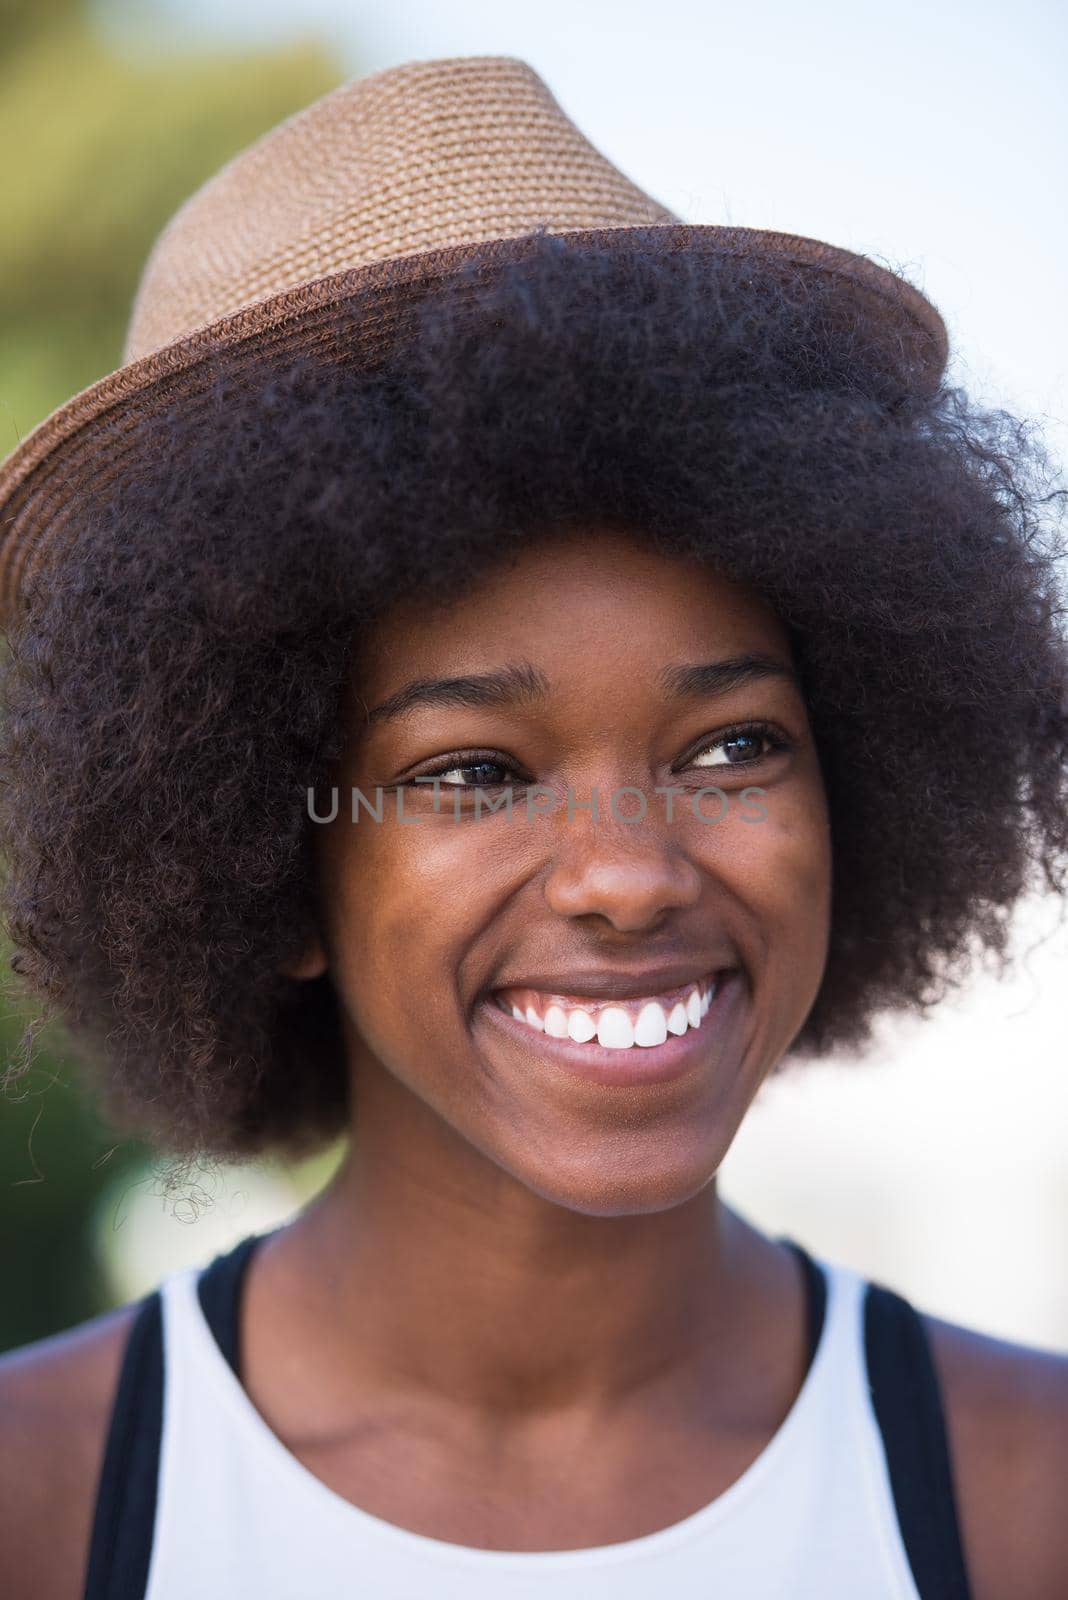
[615,984]
[677,1056]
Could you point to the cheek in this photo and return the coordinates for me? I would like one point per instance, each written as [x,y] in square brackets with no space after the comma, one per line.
[791,866]
[784,866]
[779,869]
[401,909]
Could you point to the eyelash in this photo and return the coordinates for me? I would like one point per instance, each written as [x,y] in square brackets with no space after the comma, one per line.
[472,758]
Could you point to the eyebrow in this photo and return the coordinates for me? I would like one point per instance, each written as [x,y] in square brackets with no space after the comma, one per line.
[521,683]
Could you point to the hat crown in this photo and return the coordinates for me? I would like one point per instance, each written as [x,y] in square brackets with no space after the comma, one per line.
[332,230]
[415,157]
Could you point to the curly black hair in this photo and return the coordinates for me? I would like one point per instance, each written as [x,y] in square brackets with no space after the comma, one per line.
[177,684]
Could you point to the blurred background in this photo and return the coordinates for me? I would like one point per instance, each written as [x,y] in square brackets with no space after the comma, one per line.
[929,137]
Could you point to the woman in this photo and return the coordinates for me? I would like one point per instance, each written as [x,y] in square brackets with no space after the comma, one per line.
[500,702]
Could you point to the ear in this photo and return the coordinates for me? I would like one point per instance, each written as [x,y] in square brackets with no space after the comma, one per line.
[312,964]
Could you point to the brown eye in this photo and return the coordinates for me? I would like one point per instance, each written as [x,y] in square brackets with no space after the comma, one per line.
[751,740]
[476,769]
[486,778]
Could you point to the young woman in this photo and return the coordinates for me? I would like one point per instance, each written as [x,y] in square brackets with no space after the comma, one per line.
[499,703]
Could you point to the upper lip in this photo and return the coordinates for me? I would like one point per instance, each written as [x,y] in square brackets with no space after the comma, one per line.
[613,984]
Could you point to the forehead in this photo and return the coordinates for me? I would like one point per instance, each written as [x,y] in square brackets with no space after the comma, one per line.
[574,605]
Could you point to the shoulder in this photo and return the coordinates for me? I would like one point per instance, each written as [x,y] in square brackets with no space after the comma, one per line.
[1006,1408]
[56,1397]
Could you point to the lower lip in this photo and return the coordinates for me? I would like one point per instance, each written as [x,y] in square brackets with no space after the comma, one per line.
[656,1063]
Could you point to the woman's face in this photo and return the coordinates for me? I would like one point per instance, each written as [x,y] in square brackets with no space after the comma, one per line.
[603,655]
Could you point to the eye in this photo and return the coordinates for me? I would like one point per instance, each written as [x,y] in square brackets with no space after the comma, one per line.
[483,769]
[485,766]
[747,735]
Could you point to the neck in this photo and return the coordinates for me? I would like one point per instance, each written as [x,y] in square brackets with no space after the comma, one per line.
[428,1269]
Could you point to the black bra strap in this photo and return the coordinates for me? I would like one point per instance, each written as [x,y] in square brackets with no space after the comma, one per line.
[125,1514]
[219,1291]
[124,1517]
[908,1405]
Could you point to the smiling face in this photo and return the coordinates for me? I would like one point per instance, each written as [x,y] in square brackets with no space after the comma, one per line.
[609,677]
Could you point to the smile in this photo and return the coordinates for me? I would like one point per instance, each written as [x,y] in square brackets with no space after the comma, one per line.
[633,1024]
[618,1042]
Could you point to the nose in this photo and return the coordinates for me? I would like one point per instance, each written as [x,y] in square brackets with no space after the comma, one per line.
[629,874]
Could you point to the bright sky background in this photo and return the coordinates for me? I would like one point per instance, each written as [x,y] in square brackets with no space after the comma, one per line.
[933,138]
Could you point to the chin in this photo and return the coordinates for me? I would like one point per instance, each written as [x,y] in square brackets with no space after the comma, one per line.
[619,1183]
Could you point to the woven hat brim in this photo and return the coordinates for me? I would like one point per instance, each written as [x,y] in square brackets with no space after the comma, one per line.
[86,441]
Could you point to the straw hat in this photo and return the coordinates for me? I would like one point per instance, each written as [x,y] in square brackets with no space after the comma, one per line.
[362,203]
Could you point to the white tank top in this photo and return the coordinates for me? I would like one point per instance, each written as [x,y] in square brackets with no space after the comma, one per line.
[238,1517]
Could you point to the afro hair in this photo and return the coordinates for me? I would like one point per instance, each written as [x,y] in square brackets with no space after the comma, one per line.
[175,686]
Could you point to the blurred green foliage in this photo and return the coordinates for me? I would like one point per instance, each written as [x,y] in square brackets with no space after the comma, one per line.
[56,1159]
[97,151]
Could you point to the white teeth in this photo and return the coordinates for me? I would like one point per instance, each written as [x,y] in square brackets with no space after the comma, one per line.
[556,1023]
[613,1026]
[580,1026]
[615,1029]
[651,1026]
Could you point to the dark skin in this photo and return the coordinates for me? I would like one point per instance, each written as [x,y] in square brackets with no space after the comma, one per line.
[550,1267]
[520,1316]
